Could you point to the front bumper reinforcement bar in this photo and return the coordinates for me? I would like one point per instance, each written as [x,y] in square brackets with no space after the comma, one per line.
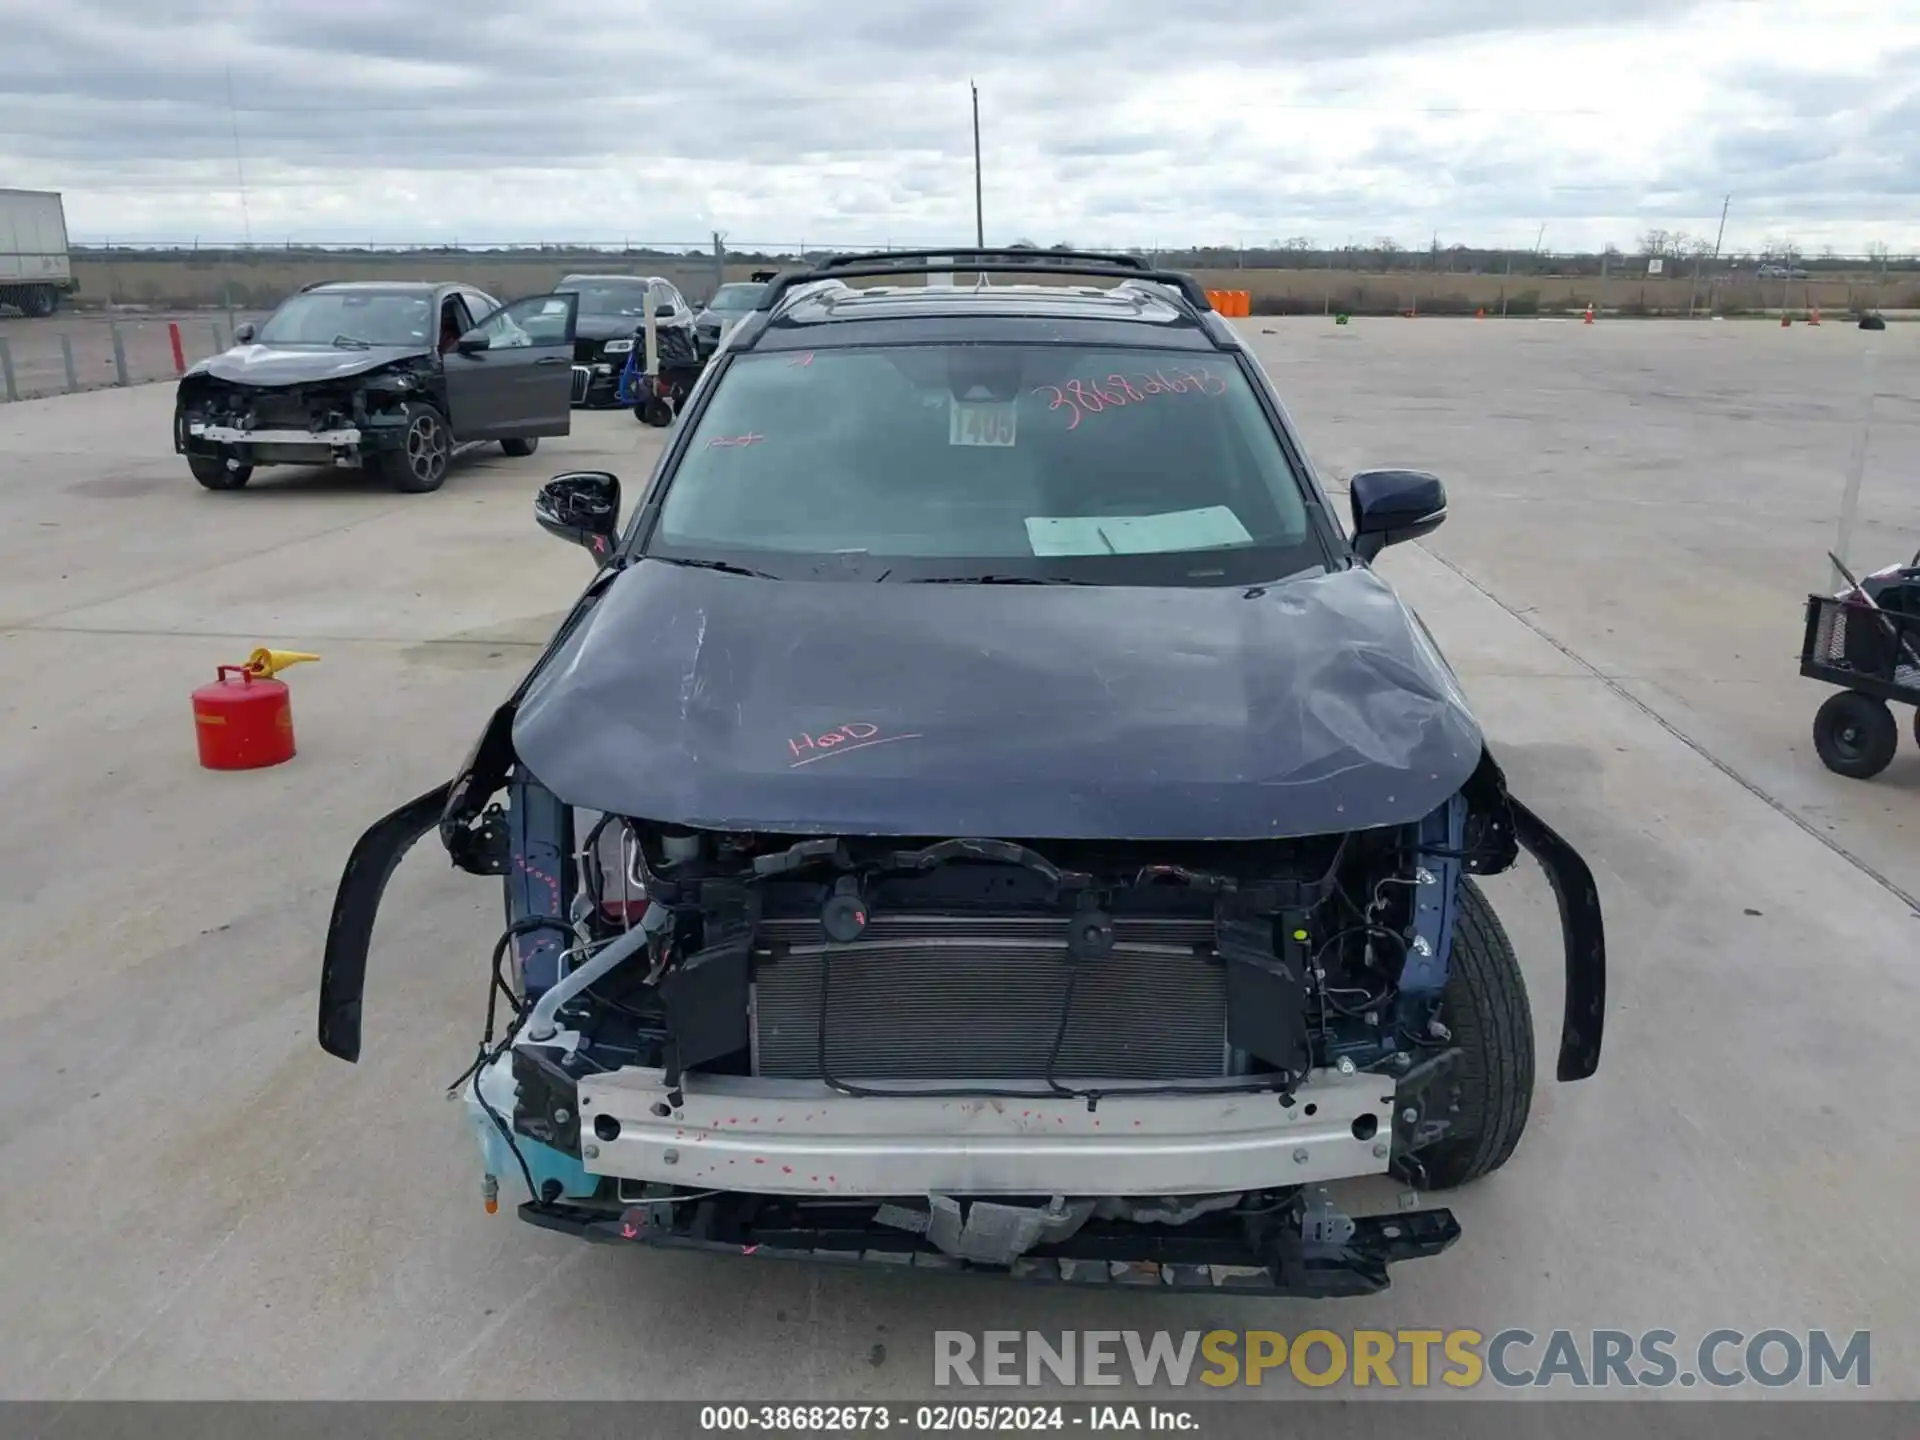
[1214,1259]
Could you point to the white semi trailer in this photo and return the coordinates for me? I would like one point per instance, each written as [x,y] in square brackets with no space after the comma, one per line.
[34,267]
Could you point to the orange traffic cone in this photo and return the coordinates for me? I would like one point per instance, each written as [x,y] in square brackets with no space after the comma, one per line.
[1814,318]
[1480,314]
[1785,320]
[1589,319]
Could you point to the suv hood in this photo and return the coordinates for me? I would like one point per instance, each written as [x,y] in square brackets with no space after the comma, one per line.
[269,365]
[607,327]
[718,701]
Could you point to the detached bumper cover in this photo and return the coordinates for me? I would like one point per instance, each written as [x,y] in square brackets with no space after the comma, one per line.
[1214,1255]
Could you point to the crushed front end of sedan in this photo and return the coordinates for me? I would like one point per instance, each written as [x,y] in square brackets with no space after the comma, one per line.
[1077,929]
[347,411]
[395,378]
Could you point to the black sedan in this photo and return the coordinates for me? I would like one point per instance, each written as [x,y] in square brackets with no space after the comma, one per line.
[612,319]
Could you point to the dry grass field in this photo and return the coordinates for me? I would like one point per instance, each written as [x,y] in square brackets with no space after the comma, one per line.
[259,281]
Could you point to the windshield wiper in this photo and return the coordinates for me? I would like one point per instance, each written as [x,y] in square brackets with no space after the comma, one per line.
[725,567]
[995,580]
[351,342]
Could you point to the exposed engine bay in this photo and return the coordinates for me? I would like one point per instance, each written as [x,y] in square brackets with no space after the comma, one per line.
[1065,1059]
[339,420]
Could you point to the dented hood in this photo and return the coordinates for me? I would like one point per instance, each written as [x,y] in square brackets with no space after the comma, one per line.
[711,700]
[301,365]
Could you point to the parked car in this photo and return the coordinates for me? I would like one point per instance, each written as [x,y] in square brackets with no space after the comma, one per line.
[1781,272]
[987,812]
[612,319]
[730,304]
[398,377]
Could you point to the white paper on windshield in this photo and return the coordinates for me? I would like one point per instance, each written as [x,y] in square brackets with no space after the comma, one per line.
[1204,529]
[980,422]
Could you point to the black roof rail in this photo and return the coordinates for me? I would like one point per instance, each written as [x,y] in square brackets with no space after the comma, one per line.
[1090,263]
[1026,254]
[314,285]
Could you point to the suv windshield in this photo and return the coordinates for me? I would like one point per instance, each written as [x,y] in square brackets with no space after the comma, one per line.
[374,317]
[612,297]
[735,297]
[1035,462]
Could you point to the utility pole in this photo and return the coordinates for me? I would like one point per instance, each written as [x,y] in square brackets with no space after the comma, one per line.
[246,221]
[1722,234]
[979,217]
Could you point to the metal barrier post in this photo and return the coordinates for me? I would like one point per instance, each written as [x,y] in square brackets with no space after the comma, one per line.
[652,331]
[213,331]
[66,355]
[119,354]
[6,370]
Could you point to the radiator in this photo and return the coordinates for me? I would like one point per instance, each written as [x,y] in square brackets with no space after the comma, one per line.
[281,412]
[970,997]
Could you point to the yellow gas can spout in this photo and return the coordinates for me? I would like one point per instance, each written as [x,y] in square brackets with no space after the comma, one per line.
[268,663]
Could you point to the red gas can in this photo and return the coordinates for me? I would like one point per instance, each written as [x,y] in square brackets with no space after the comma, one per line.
[243,720]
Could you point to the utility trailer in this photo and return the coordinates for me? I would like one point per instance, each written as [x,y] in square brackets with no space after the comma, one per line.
[35,270]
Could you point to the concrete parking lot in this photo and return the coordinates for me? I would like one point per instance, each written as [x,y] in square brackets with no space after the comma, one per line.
[202,1204]
[1658,498]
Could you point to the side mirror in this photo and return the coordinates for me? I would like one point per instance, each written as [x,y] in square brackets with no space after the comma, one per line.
[665,312]
[472,343]
[582,506]
[243,333]
[1390,506]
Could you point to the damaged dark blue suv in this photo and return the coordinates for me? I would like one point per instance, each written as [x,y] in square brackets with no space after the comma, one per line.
[987,813]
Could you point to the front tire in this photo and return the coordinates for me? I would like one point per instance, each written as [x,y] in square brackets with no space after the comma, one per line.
[1489,1093]
[520,449]
[420,463]
[217,474]
[1855,735]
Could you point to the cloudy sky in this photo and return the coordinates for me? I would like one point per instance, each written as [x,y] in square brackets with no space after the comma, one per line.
[1109,122]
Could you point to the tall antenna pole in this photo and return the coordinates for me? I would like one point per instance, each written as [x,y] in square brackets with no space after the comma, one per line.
[1723,224]
[979,217]
[239,171]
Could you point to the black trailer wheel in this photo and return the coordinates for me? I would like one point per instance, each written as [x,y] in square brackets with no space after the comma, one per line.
[420,464]
[1489,1093]
[521,448]
[656,412]
[42,300]
[1855,735]
[217,474]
